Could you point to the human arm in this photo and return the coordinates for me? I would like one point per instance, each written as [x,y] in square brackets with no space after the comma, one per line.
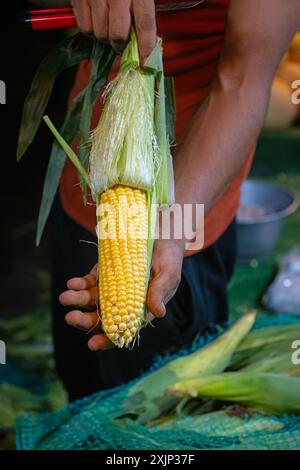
[227,124]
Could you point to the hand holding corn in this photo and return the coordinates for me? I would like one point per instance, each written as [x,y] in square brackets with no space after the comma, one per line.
[110,21]
[82,292]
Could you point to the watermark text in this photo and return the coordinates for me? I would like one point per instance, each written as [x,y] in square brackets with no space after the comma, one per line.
[2,352]
[296,353]
[178,222]
[2,92]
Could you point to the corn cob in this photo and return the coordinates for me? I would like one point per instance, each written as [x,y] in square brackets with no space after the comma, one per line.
[130,174]
[130,168]
[122,175]
[122,262]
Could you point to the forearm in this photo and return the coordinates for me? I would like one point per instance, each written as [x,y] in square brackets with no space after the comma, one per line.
[218,141]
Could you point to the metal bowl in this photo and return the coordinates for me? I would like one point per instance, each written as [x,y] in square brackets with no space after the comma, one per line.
[258,234]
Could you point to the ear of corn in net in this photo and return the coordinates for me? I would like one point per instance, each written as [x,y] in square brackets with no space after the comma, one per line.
[147,399]
[275,393]
[263,344]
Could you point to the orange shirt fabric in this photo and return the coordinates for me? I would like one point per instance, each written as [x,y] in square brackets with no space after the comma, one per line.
[192,43]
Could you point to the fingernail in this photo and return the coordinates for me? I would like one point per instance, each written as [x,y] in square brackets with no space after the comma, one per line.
[162,309]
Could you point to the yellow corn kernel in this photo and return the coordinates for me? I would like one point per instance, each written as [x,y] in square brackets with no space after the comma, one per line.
[123,262]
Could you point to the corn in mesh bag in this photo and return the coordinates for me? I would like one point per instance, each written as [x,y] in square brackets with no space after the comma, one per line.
[130,175]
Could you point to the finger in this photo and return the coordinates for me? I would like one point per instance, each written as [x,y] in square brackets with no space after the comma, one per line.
[83,16]
[83,298]
[161,289]
[155,301]
[81,283]
[101,341]
[100,19]
[119,22]
[84,321]
[144,19]
[94,270]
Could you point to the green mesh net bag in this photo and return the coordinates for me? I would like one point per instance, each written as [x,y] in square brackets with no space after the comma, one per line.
[99,421]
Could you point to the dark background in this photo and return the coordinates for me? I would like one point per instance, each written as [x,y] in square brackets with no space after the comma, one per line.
[24,273]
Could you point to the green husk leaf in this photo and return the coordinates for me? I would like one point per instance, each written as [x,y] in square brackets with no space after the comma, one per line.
[280,364]
[269,335]
[164,183]
[68,150]
[102,57]
[56,163]
[154,62]
[67,54]
[152,218]
[122,144]
[170,109]
[216,356]
[80,112]
[275,393]
[130,57]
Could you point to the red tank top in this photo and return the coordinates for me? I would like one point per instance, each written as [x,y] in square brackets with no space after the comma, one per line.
[192,42]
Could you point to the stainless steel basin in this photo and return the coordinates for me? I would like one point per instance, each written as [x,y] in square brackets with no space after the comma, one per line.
[258,232]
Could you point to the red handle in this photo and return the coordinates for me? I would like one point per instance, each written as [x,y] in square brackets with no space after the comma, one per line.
[53,22]
[56,18]
[50,11]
